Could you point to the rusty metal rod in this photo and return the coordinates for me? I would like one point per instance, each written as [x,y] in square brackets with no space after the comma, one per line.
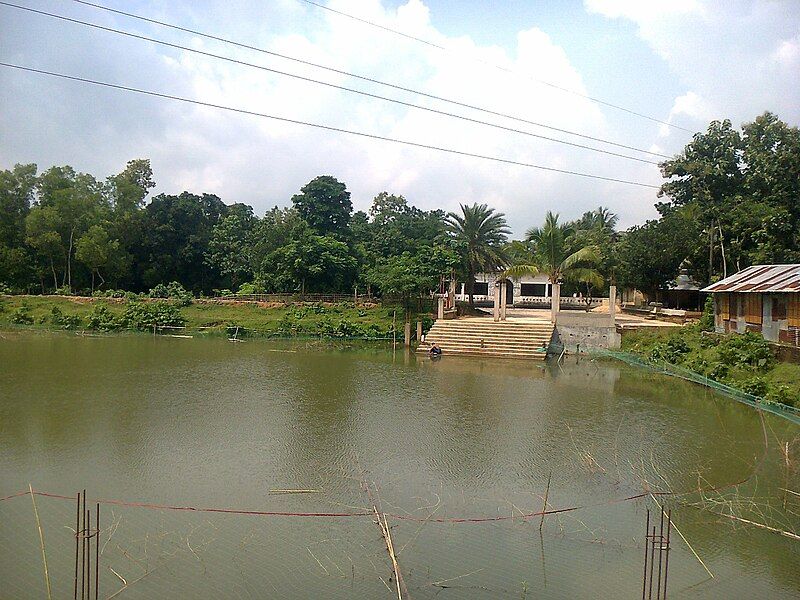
[89,555]
[77,545]
[660,554]
[666,559]
[646,536]
[83,547]
[97,553]
[652,560]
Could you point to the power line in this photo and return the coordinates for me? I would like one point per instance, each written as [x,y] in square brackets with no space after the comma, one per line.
[318,82]
[320,126]
[363,77]
[496,66]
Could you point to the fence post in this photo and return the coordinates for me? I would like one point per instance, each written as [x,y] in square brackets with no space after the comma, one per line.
[419,331]
[407,334]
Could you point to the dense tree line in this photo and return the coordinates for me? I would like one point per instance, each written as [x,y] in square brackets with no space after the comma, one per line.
[731,198]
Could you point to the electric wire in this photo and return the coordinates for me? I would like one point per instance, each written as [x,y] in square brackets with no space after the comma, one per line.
[496,66]
[323,83]
[321,126]
[363,77]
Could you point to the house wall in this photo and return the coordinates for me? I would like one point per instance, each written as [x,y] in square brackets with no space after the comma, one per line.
[490,279]
[775,316]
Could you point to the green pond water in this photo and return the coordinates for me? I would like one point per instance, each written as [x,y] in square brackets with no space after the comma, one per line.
[211,424]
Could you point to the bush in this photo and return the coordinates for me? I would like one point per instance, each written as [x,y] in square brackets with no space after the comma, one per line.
[671,351]
[59,319]
[146,315]
[247,289]
[5,290]
[173,291]
[63,291]
[22,316]
[706,322]
[103,319]
[755,386]
[782,394]
[748,350]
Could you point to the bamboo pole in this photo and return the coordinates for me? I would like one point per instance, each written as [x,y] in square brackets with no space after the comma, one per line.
[683,537]
[41,542]
[546,494]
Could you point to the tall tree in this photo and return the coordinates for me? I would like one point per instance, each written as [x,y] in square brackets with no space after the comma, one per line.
[227,248]
[99,252]
[557,253]
[324,203]
[481,234]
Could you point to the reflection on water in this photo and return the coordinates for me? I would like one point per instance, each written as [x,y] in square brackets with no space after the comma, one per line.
[215,424]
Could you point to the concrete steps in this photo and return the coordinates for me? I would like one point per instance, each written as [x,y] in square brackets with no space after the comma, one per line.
[485,337]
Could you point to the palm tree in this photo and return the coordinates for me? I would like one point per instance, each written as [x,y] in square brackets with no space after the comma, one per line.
[554,255]
[481,233]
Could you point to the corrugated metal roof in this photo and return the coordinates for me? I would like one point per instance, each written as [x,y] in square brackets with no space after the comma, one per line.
[761,278]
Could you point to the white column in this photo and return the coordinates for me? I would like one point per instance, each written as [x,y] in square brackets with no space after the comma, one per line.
[555,301]
[612,303]
[496,302]
[440,313]
[503,290]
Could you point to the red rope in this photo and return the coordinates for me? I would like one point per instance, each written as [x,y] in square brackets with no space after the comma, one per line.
[238,511]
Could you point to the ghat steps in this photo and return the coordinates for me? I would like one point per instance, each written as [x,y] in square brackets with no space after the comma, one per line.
[514,338]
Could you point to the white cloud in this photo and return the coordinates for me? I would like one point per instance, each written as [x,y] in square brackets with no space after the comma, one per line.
[736,59]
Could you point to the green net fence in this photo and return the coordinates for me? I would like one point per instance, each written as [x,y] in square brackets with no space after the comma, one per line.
[787,412]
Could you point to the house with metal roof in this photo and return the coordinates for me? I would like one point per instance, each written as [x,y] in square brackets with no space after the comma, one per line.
[761,298]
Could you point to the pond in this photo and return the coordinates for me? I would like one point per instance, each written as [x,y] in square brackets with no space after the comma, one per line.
[455,452]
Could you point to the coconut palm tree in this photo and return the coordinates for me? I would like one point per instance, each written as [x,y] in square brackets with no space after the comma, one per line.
[481,233]
[553,253]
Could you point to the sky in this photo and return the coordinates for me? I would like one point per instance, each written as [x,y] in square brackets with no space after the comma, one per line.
[683,62]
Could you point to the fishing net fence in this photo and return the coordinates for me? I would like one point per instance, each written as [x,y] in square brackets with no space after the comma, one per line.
[148,550]
[787,412]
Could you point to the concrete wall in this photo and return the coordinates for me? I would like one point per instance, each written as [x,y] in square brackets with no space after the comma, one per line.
[583,331]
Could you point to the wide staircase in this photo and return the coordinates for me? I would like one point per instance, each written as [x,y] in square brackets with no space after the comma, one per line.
[514,338]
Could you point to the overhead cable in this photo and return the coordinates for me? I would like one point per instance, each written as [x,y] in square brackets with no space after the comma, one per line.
[363,77]
[496,66]
[321,126]
[323,83]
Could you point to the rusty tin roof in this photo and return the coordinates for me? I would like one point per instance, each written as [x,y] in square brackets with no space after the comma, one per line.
[760,278]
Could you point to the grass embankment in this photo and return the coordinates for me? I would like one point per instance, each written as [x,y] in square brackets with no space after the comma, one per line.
[745,362]
[342,320]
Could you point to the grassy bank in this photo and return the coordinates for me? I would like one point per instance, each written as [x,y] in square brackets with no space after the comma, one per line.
[745,362]
[343,320]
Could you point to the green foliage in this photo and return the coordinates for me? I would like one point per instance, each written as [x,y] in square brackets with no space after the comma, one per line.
[248,289]
[747,349]
[173,291]
[21,316]
[671,351]
[480,235]
[706,322]
[324,203]
[146,315]
[62,321]
[4,289]
[742,361]
[102,319]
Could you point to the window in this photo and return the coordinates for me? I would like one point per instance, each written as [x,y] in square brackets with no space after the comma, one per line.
[779,306]
[533,289]
[481,288]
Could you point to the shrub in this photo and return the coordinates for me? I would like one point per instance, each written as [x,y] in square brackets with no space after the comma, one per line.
[782,394]
[706,322]
[64,290]
[146,315]
[246,289]
[748,350]
[671,351]
[59,319]
[103,319]
[174,291]
[22,316]
[755,386]
[5,290]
